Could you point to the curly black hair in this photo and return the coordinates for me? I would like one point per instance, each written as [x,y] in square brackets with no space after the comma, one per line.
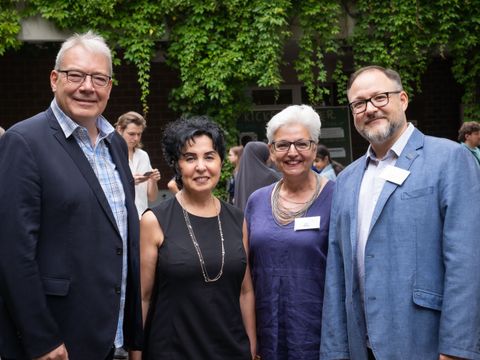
[178,133]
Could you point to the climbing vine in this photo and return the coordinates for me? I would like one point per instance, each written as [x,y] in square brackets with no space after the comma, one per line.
[406,34]
[319,21]
[222,47]
[9,25]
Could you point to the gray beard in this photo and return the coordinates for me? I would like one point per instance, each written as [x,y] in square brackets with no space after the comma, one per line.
[379,137]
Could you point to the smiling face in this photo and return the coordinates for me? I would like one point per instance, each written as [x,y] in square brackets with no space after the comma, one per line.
[82,102]
[379,125]
[200,165]
[293,162]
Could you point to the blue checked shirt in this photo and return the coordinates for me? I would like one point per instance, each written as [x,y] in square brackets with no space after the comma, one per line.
[102,164]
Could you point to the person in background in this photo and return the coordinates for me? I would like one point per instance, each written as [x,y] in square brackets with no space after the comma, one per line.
[469,136]
[69,230]
[253,172]
[403,258]
[173,186]
[286,225]
[234,155]
[323,164]
[131,126]
[197,294]
[337,167]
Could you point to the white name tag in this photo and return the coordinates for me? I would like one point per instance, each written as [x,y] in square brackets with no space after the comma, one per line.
[394,174]
[306,223]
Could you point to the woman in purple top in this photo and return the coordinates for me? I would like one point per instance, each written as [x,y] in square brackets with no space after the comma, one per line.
[287,229]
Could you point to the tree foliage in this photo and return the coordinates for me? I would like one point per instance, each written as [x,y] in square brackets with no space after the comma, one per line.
[221,47]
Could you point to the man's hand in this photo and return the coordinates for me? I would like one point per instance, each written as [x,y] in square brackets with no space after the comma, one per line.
[60,353]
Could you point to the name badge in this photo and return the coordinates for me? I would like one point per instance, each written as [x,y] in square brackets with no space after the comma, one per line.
[394,174]
[307,223]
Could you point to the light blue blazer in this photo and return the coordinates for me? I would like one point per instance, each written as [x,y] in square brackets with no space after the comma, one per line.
[422,260]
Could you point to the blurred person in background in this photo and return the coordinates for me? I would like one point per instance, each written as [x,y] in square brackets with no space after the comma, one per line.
[173,186]
[254,172]
[234,155]
[131,126]
[469,136]
[286,225]
[323,163]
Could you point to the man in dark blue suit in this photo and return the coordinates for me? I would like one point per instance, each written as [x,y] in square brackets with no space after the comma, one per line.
[69,258]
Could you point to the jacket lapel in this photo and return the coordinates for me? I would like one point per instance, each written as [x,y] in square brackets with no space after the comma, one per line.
[405,161]
[73,149]
[357,177]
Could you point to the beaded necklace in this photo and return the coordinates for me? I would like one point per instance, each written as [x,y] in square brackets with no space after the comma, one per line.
[206,277]
[282,214]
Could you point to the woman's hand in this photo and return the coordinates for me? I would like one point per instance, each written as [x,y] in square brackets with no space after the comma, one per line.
[153,175]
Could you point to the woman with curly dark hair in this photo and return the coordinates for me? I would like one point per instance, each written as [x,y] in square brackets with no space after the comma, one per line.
[197,292]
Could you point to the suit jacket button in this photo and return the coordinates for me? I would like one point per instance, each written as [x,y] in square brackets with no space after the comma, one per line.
[119,251]
[118,289]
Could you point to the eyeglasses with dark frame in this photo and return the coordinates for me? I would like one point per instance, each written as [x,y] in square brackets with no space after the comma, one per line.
[379,100]
[300,145]
[78,77]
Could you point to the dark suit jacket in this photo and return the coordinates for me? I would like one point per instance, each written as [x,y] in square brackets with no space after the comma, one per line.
[60,249]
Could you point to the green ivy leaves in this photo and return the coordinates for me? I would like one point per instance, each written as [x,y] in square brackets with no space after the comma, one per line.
[222,47]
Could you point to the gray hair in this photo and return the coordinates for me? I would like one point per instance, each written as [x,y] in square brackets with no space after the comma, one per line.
[89,40]
[2,131]
[295,114]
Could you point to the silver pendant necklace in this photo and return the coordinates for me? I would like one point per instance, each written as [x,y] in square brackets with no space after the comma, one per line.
[206,277]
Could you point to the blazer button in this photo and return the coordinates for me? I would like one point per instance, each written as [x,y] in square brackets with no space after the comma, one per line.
[118,289]
[119,251]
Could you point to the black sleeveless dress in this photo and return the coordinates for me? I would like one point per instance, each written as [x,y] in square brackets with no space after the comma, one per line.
[188,318]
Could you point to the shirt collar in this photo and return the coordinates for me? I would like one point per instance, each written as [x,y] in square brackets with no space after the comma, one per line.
[106,130]
[468,147]
[396,148]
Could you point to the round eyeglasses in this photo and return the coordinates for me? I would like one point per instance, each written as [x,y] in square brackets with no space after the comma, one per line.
[379,100]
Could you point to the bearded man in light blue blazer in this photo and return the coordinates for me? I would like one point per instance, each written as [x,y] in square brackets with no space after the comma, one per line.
[403,268]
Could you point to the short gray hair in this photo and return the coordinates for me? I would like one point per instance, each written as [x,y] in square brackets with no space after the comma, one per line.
[88,40]
[296,114]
